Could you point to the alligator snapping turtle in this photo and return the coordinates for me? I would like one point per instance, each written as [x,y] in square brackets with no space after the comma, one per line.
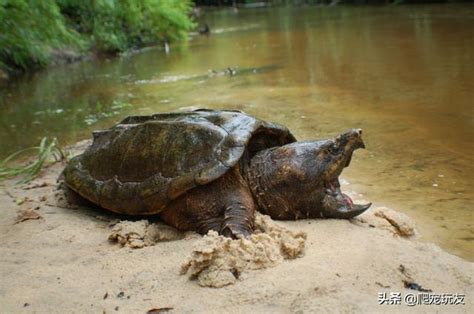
[210,170]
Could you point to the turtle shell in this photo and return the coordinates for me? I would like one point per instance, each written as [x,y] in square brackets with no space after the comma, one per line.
[144,162]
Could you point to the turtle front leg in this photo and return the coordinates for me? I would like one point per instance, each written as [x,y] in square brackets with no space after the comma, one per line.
[239,207]
[225,205]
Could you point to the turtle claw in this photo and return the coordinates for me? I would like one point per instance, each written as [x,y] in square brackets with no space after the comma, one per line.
[234,232]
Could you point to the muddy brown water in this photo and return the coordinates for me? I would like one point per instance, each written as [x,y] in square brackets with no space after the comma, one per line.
[403,74]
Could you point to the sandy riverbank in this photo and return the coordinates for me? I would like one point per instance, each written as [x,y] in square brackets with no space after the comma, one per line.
[64,262]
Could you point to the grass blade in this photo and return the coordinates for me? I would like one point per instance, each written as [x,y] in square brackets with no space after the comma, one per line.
[46,150]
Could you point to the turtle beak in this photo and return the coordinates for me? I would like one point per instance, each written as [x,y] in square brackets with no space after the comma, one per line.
[346,212]
[339,205]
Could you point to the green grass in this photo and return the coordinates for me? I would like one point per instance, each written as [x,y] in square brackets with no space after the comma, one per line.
[47,151]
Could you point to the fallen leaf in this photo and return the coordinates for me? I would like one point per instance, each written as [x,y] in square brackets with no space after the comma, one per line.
[27,214]
[20,201]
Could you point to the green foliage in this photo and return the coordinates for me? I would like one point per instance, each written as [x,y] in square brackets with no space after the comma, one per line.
[31,30]
[115,25]
[45,151]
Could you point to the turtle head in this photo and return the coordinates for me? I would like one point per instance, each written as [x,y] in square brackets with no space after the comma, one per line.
[301,179]
[332,157]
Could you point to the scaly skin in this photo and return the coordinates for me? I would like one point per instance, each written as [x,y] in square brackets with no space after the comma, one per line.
[300,180]
[225,205]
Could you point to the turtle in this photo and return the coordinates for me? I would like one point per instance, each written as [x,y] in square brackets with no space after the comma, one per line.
[208,170]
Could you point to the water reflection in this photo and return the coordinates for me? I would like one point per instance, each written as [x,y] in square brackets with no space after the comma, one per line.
[404,74]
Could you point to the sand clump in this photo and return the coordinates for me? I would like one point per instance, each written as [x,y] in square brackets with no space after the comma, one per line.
[402,224]
[217,261]
[385,218]
[139,234]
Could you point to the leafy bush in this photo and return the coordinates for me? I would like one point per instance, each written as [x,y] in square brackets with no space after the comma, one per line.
[30,30]
[115,25]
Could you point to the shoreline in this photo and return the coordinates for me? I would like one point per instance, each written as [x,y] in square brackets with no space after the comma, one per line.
[65,57]
[62,260]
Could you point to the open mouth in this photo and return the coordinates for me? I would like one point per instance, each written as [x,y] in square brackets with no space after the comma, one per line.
[337,204]
[340,204]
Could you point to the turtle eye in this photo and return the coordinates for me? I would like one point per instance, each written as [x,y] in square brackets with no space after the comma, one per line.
[333,149]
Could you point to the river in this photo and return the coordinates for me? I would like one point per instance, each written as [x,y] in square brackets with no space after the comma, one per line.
[404,74]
